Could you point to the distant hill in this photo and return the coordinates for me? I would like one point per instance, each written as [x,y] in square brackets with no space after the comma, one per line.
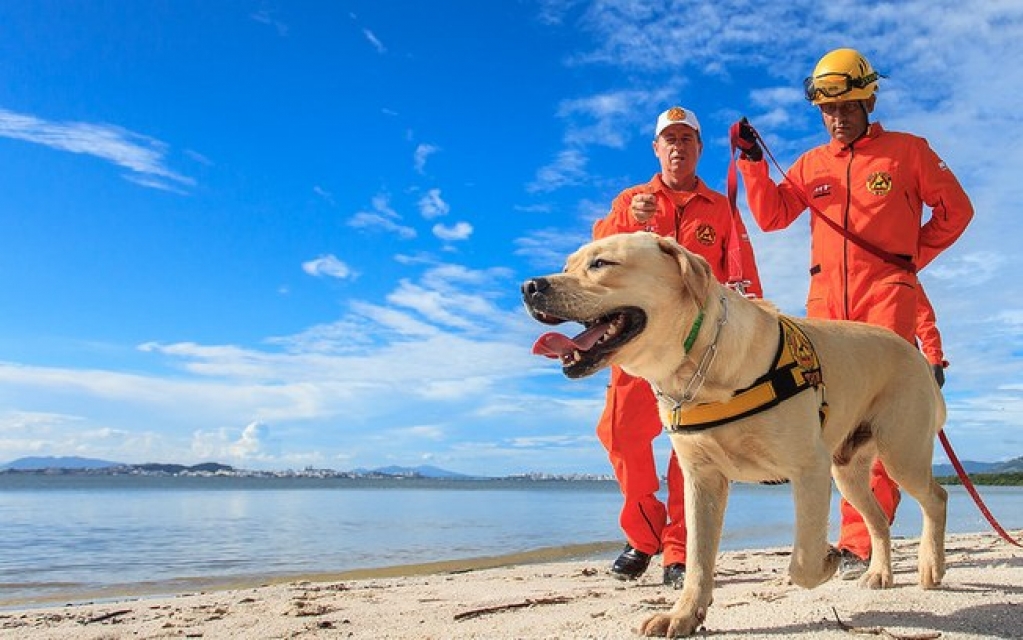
[64,462]
[422,471]
[969,465]
[173,469]
[1009,466]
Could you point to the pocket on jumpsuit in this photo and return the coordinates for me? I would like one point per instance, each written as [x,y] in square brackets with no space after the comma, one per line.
[892,304]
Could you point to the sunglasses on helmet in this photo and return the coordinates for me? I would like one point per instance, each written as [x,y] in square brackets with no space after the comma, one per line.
[832,85]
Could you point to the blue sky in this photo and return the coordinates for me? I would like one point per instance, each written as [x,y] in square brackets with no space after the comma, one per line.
[287,234]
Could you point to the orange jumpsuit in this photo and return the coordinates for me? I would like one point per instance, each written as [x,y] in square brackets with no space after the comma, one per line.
[701,222]
[927,334]
[875,188]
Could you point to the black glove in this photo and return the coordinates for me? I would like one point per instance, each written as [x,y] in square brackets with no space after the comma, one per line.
[748,144]
[939,374]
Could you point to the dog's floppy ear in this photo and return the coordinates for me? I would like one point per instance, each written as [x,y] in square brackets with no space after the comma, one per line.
[694,269]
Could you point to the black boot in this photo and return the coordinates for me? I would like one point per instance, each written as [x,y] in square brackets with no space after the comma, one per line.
[631,564]
[675,575]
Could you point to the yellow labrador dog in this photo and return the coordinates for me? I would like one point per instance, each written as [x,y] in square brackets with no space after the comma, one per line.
[751,395]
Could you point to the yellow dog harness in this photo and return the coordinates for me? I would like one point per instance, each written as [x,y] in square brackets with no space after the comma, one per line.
[795,369]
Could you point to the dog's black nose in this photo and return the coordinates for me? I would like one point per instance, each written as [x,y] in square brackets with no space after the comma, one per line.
[534,285]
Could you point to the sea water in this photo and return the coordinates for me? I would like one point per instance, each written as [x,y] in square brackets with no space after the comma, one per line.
[67,536]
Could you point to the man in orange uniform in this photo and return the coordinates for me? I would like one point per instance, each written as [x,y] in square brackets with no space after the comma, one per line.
[678,204]
[873,183]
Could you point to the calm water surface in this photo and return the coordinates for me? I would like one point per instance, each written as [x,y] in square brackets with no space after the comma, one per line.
[67,535]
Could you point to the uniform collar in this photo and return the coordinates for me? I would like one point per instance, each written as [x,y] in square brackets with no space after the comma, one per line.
[701,190]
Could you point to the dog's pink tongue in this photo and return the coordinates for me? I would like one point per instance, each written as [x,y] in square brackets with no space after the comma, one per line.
[556,345]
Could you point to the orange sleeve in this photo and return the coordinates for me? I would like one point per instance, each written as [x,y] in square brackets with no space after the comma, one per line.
[927,333]
[951,210]
[774,206]
[619,219]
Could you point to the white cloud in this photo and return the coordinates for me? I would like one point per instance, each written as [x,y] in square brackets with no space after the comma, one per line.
[547,248]
[374,40]
[230,445]
[431,205]
[144,156]
[422,153]
[568,168]
[544,442]
[329,266]
[457,231]
[323,193]
[266,16]
[376,222]
[444,307]
[32,421]
[612,119]
[421,432]
[970,270]
[250,444]
[381,218]
[395,321]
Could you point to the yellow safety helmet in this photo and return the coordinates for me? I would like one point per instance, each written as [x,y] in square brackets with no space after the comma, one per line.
[842,74]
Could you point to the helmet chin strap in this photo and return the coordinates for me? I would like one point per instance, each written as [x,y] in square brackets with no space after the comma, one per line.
[866,116]
[866,126]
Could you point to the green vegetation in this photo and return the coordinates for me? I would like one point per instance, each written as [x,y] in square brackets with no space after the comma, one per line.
[1005,479]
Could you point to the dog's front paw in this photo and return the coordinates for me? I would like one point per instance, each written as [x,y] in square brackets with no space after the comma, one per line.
[832,561]
[931,575]
[877,579]
[667,625]
[809,572]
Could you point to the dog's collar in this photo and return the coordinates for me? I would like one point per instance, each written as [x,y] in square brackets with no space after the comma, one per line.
[700,375]
[694,331]
[796,368]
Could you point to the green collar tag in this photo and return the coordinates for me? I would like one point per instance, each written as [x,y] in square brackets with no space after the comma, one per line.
[695,331]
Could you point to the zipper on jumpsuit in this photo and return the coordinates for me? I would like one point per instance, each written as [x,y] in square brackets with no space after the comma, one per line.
[680,210]
[845,225]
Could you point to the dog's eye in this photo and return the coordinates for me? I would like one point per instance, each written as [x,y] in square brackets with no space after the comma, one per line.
[600,263]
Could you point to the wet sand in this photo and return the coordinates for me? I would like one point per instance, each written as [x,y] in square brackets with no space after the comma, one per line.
[544,595]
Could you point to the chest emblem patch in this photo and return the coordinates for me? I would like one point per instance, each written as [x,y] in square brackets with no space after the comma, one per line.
[879,183]
[705,234]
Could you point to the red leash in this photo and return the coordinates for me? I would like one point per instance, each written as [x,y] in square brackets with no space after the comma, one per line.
[961,472]
[733,187]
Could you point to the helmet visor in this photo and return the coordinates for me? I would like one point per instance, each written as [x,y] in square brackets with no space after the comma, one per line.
[833,85]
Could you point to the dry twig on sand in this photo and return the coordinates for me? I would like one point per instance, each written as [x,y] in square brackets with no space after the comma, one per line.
[530,602]
[881,631]
[106,616]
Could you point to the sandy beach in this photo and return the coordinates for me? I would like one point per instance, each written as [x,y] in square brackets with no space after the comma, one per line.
[515,597]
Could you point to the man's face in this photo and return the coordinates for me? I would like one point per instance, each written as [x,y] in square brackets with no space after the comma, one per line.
[678,148]
[846,120]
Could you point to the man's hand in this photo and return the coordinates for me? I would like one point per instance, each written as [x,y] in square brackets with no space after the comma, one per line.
[939,374]
[748,144]
[643,207]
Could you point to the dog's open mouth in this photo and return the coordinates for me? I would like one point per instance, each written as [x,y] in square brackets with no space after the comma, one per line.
[585,353]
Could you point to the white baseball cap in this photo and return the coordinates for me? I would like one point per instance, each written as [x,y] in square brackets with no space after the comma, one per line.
[676,115]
